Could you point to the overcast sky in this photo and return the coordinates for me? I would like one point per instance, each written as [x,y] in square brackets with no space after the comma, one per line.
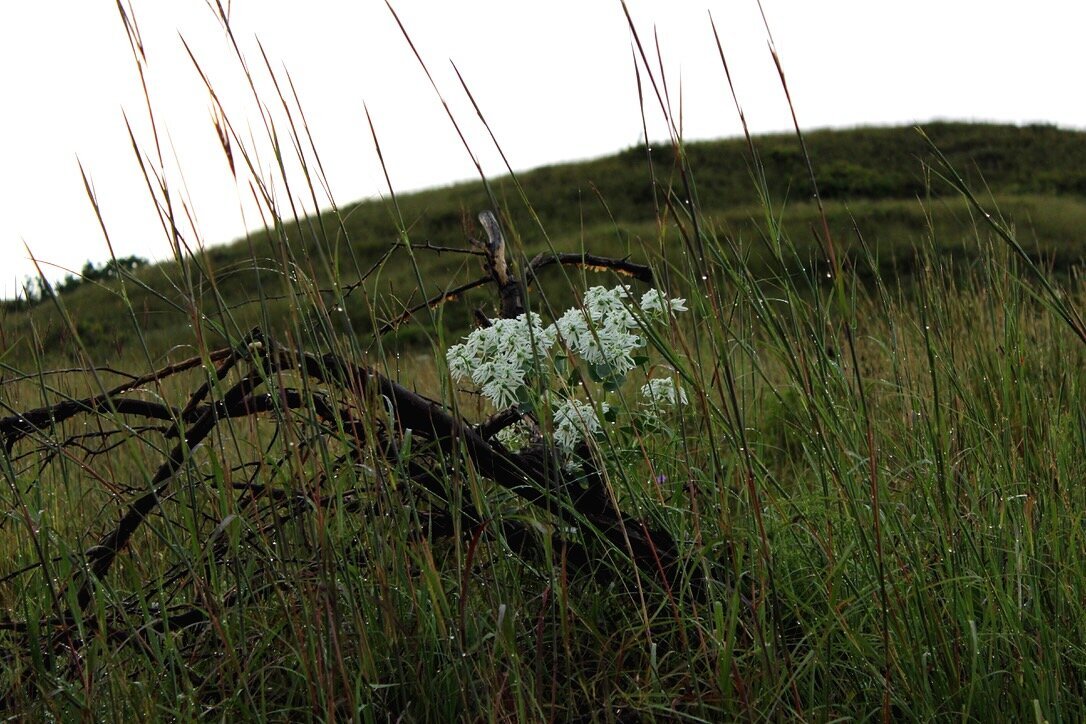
[555,80]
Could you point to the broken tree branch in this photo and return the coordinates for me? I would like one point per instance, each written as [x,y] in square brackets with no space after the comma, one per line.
[512,287]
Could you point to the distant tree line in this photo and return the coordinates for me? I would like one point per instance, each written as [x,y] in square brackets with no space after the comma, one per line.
[37,290]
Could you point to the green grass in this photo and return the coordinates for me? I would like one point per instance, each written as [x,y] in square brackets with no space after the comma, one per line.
[876,182]
[875,493]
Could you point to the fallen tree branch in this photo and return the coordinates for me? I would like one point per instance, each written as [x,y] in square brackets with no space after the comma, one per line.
[101,556]
[531,477]
[15,427]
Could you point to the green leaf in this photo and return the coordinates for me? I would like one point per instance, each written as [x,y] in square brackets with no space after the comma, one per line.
[525,400]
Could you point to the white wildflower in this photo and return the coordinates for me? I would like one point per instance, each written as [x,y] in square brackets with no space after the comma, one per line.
[606,306]
[663,391]
[461,359]
[573,329]
[499,358]
[500,382]
[615,350]
[574,421]
[603,332]
[655,303]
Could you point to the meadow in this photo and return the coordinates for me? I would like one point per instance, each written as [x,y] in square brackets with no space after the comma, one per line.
[248,485]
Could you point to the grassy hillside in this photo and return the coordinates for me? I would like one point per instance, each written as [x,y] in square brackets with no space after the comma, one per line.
[874,181]
[778,498]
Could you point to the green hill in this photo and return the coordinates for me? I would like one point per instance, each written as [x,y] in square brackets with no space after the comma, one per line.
[875,181]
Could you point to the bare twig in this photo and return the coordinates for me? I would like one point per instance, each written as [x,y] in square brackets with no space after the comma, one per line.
[591,262]
[435,301]
[510,286]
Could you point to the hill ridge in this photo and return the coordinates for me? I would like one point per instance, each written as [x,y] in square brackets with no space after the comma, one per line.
[870,175]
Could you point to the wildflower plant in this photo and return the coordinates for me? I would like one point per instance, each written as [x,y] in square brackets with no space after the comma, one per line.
[602,340]
[574,421]
[663,392]
[500,358]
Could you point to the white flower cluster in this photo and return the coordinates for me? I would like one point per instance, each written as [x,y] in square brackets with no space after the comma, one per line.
[656,305]
[601,336]
[662,391]
[498,359]
[604,332]
[574,421]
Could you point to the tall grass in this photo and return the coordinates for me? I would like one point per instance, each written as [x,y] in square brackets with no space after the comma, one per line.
[875,493]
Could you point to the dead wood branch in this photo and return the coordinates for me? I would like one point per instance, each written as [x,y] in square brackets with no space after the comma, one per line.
[591,262]
[511,286]
[101,556]
[533,475]
[367,417]
[15,427]
[501,268]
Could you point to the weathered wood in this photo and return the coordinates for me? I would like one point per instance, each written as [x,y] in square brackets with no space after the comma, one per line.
[511,286]
[502,268]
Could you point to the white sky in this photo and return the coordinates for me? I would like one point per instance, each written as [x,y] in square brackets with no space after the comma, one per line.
[554,78]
